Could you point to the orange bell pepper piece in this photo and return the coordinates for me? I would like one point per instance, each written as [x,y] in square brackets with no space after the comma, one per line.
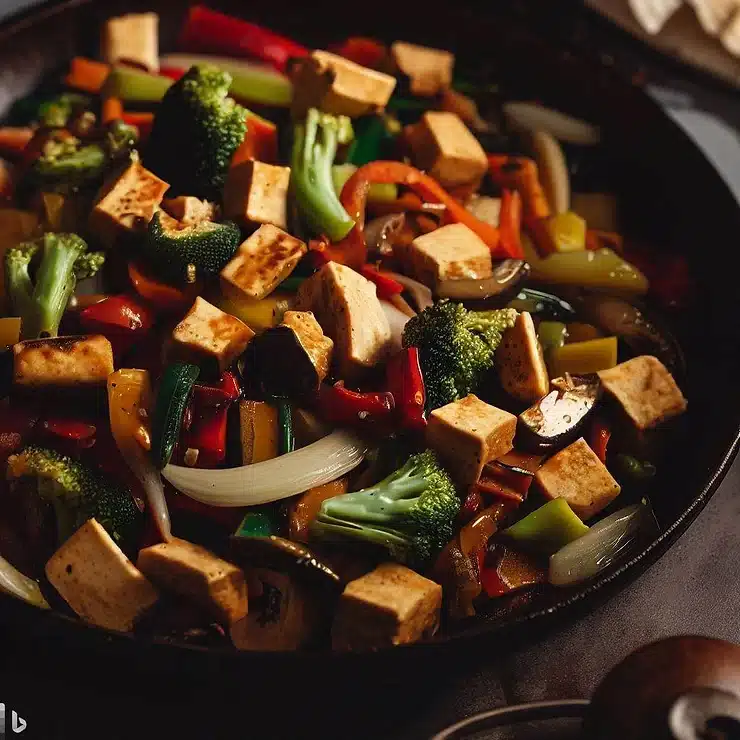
[87,74]
[161,295]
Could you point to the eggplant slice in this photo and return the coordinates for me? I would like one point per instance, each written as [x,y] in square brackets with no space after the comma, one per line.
[508,276]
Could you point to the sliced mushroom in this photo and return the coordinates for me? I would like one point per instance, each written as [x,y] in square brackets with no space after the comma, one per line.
[558,418]
[508,276]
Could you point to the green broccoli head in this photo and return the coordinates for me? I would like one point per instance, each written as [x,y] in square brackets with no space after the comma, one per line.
[76,492]
[56,262]
[207,246]
[196,131]
[410,513]
[315,142]
[456,348]
[57,112]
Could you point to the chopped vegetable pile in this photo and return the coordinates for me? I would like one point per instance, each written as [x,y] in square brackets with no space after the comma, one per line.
[287,341]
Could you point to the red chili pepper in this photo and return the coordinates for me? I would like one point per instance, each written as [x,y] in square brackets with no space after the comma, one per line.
[510,223]
[352,250]
[74,433]
[386,286]
[121,318]
[209,31]
[360,50]
[338,405]
[406,383]
[598,437]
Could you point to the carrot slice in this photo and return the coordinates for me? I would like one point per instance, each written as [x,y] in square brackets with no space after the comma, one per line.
[112,109]
[87,74]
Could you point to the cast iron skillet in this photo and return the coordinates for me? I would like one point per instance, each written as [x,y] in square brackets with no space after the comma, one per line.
[674,199]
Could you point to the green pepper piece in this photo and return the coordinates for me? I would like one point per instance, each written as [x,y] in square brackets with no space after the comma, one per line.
[371,141]
[172,397]
[259,521]
[291,283]
[547,529]
[285,423]
[631,467]
[551,334]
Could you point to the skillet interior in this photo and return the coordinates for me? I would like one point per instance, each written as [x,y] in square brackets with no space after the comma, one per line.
[674,199]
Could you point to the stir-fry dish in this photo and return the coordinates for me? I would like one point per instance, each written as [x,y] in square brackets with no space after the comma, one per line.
[314,348]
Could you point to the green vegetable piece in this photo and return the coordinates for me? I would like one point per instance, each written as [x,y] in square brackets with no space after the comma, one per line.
[410,513]
[76,492]
[172,398]
[285,423]
[291,283]
[135,86]
[372,141]
[548,528]
[456,348]
[259,521]
[631,467]
[379,192]
[208,246]
[315,142]
[59,261]
[195,133]
[551,334]
[57,112]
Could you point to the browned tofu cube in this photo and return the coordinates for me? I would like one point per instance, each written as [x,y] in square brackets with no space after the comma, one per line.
[577,475]
[317,345]
[391,605]
[468,433]
[189,210]
[207,335]
[449,253]
[336,85]
[196,573]
[347,307]
[520,362]
[98,581]
[257,193]
[127,204]
[429,71]
[645,389]
[63,361]
[444,146]
[133,37]
[261,263]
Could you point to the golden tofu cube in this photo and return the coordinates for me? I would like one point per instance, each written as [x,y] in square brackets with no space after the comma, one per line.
[127,204]
[63,361]
[347,307]
[257,193]
[133,37]
[391,605]
[189,210]
[208,335]
[645,389]
[261,263]
[317,345]
[448,253]
[444,146]
[94,576]
[577,475]
[196,573]
[336,85]
[521,363]
[467,434]
[429,71]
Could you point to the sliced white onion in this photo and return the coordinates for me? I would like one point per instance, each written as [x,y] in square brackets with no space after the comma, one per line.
[397,321]
[272,480]
[611,538]
[13,582]
[535,117]
[421,293]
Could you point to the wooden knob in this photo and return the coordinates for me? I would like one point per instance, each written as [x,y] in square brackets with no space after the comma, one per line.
[681,688]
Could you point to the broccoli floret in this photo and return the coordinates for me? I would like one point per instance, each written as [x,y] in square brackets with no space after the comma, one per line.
[57,112]
[410,513]
[207,246]
[195,133]
[76,492]
[456,347]
[40,277]
[315,143]
[119,140]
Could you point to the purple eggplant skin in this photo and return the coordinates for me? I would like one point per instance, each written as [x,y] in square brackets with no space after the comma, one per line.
[558,418]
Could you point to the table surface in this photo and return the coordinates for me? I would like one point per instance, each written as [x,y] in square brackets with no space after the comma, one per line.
[691,590]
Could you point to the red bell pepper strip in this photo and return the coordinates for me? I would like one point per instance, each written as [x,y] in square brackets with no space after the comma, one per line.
[161,295]
[406,384]
[520,173]
[502,483]
[73,434]
[510,223]
[360,50]
[260,142]
[352,250]
[207,30]
[472,505]
[142,120]
[339,405]
[122,319]
[174,73]
[386,286]
[599,436]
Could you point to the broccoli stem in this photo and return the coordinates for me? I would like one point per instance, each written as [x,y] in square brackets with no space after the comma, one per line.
[396,544]
[314,149]
[86,163]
